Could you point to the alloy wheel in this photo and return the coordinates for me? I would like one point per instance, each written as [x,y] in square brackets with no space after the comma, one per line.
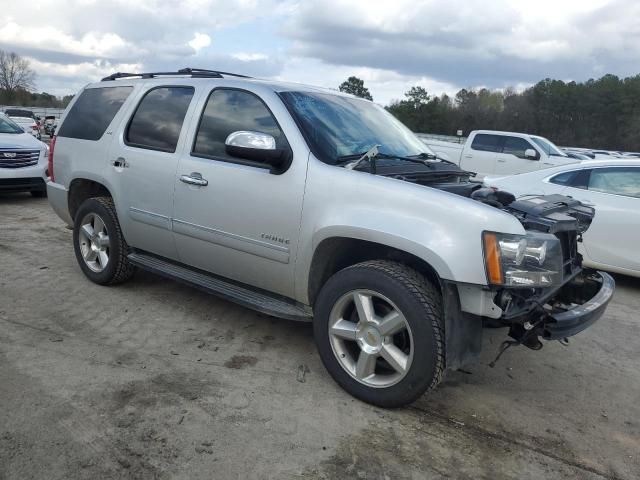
[371,338]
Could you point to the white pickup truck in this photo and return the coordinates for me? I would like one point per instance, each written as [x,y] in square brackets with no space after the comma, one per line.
[489,152]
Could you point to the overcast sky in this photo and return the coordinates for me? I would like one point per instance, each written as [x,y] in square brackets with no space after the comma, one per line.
[392,44]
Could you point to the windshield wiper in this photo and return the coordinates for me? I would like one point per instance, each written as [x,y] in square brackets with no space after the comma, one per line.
[373,153]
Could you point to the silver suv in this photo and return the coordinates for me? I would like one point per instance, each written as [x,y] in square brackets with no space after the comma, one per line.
[313,205]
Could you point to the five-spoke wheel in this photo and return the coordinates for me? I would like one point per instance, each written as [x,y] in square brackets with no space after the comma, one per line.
[378,328]
[94,242]
[371,338]
[100,247]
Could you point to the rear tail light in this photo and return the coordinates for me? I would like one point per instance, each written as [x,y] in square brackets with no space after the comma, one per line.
[52,145]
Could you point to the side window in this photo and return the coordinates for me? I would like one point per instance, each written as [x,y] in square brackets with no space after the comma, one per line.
[565,178]
[92,112]
[516,146]
[156,123]
[486,143]
[619,181]
[229,111]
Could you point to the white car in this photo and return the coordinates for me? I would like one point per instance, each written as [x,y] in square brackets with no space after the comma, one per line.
[26,119]
[613,188]
[23,160]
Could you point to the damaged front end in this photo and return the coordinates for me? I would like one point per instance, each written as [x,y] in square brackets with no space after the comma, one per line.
[538,279]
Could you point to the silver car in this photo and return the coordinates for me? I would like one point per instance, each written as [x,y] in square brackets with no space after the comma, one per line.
[313,205]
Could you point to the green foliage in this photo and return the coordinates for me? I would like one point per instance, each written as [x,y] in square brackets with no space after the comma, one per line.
[24,98]
[355,86]
[602,113]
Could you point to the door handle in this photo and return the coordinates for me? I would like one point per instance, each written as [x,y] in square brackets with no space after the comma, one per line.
[468,155]
[194,178]
[502,160]
[120,162]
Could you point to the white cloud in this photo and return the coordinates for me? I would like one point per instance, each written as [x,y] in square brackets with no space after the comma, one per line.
[249,57]
[200,40]
[471,42]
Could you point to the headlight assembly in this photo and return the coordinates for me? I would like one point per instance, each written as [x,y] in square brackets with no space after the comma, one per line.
[531,260]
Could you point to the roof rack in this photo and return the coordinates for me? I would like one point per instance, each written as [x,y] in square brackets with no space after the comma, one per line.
[193,72]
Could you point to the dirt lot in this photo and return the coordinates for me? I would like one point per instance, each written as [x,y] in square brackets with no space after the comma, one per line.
[155,380]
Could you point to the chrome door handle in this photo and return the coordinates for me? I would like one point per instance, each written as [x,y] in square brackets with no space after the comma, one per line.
[194,178]
[120,162]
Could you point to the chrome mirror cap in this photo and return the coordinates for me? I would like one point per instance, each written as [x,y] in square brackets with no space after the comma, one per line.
[254,140]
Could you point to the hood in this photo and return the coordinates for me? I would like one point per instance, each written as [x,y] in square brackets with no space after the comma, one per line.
[19,140]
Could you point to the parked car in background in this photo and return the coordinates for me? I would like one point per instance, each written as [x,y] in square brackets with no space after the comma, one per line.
[577,156]
[26,119]
[489,152]
[49,125]
[613,188]
[314,205]
[23,159]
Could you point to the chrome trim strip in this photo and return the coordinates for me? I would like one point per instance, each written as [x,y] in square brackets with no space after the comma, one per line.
[150,218]
[231,240]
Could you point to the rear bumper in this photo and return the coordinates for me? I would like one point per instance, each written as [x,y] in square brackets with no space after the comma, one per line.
[598,289]
[57,195]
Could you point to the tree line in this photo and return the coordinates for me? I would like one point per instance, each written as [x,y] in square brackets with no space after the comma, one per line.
[599,113]
[17,84]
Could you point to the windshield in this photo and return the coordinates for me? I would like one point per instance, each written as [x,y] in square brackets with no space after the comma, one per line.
[548,147]
[8,126]
[336,126]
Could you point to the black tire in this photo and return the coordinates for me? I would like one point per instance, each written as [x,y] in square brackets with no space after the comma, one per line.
[420,303]
[118,268]
[38,193]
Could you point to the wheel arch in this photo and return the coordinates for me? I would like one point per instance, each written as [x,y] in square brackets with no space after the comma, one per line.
[335,253]
[80,189]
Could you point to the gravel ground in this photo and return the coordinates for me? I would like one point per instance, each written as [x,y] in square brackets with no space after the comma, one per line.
[152,379]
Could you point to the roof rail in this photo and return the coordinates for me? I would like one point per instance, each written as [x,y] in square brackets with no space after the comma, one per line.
[193,72]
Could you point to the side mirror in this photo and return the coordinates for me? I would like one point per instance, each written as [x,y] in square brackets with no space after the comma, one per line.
[531,154]
[257,147]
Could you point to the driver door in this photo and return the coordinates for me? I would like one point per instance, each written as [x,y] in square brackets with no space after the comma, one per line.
[512,160]
[239,221]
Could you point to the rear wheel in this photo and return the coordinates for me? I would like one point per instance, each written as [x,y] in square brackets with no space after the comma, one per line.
[378,327]
[99,245]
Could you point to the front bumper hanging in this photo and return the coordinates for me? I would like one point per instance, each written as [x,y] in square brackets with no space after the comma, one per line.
[599,286]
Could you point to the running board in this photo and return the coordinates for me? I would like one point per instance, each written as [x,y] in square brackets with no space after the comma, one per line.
[222,288]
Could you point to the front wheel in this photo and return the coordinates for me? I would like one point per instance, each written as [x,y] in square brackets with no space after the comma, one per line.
[378,328]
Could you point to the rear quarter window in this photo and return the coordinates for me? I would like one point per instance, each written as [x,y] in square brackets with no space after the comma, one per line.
[92,112]
[157,122]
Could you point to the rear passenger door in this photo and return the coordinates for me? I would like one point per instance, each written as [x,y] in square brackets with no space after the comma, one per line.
[480,156]
[511,158]
[143,162]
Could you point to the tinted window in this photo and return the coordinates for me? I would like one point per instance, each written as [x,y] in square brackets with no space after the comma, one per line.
[564,178]
[486,143]
[229,111]
[157,121]
[620,181]
[516,146]
[92,112]
[13,112]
